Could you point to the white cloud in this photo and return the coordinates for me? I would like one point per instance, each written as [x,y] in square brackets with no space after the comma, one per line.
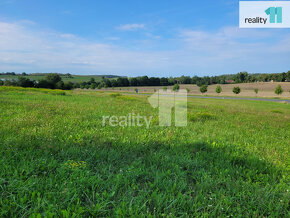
[130,27]
[24,47]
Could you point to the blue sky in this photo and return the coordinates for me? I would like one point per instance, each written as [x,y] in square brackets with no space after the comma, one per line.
[133,38]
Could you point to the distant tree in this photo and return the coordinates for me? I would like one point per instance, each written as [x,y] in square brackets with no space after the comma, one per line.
[133,82]
[93,86]
[92,80]
[164,88]
[68,86]
[203,89]
[175,87]
[87,86]
[100,86]
[24,74]
[164,81]
[218,89]
[10,82]
[187,90]
[44,84]
[59,85]
[25,82]
[76,85]
[279,90]
[53,78]
[236,90]
[1,82]
[241,77]
[256,90]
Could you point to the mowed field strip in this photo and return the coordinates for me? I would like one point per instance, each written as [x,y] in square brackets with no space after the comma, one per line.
[265,89]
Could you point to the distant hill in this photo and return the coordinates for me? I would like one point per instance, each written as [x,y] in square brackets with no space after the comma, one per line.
[65,77]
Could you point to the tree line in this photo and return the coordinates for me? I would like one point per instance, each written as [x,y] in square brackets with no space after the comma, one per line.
[54,80]
[242,77]
[51,81]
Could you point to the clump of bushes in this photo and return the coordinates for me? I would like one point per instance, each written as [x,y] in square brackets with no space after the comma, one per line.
[114,95]
[279,90]
[218,89]
[203,89]
[200,116]
[176,87]
[236,90]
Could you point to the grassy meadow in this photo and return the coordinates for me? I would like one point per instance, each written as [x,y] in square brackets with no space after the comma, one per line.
[57,160]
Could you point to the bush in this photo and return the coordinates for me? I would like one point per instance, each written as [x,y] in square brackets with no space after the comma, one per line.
[256,91]
[236,90]
[200,116]
[175,87]
[100,86]
[68,86]
[76,85]
[114,95]
[218,89]
[1,83]
[53,78]
[93,86]
[203,89]
[59,85]
[187,90]
[25,82]
[10,83]
[164,88]
[279,90]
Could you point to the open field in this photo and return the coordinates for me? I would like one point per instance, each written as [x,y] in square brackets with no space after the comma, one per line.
[57,159]
[76,78]
[266,89]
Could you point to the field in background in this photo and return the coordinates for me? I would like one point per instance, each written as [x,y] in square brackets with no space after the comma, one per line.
[266,89]
[57,158]
[76,78]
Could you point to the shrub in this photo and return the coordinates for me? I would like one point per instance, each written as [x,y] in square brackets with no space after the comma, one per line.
[188,90]
[68,86]
[164,88]
[175,87]
[279,90]
[25,82]
[87,86]
[93,86]
[256,91]
[59,85]
[203,89]
[218,89]
[200,116]
[114,95]
[236,90]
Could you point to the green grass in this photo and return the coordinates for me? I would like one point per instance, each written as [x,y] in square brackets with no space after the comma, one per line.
[58,160]
[76,78]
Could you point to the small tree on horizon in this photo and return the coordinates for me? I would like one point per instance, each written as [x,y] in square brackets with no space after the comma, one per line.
[175,87]
[256,91]
[203,89]
[236,90]
[218,89]
[279,90]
